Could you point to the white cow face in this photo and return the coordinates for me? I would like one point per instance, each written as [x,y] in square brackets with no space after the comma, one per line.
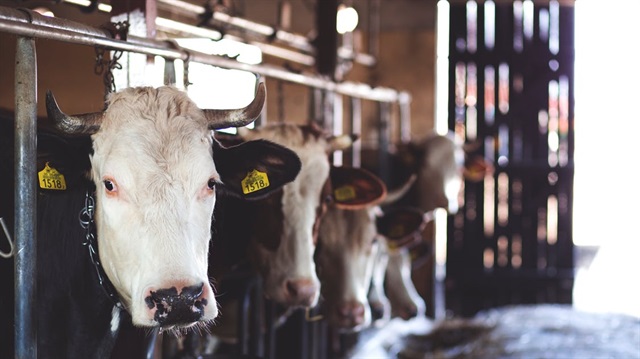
[155,176]
[284,254]
[348,247]
[405,301]
[155,189]
[346,256]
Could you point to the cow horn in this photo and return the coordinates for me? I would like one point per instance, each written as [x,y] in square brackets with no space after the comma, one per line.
[239,117]
[398,193]
[83,124]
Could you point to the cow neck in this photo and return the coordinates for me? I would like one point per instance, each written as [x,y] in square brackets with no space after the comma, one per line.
[87,222]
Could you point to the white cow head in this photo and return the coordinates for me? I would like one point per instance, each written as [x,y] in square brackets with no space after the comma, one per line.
[348,248]
[283,248]
[401,228]
[441,164]
[156,168]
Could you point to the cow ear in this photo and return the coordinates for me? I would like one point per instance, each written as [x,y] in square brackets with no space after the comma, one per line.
[400,226]
[63,162]
[356,188]
[340,142]
[255,169]
[476,168]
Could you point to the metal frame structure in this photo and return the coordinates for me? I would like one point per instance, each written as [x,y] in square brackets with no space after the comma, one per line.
[27,26]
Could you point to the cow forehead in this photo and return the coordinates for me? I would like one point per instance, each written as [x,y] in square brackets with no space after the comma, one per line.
[349,229]
[153,132]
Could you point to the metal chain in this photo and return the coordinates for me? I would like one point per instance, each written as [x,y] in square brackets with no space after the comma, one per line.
[119,31]
[185,77]
[85,217]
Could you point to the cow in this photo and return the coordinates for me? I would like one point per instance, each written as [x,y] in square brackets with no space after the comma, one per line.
[393,293]
[349,246]
[441,164]
[144,174]
[281,230]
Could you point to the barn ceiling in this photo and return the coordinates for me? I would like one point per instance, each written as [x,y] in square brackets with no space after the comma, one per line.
[394,15]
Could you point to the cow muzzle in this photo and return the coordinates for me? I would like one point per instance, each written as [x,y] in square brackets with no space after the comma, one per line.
[301,292]
[350,316]
[178,306]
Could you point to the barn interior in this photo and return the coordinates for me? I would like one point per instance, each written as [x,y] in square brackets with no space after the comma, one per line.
[543,88]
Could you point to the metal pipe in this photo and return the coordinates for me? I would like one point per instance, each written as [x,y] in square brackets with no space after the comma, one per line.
[384,110]
[26,111]
[404,103]
[17,24]
[356,127]
[264,32]
[256,29]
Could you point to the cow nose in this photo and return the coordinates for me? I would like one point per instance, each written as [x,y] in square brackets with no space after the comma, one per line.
[408,312]
[172,307]
[350,314]
[301,292]
[379,310]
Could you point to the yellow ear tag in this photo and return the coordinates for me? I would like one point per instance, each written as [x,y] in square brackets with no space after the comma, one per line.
[50,178]
[397,231]
[254,181]
[344,193]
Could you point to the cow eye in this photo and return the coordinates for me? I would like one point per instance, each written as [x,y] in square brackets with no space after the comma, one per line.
[109,185]
[211,184]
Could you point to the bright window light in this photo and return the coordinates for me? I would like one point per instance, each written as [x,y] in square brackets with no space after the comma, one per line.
[249,54]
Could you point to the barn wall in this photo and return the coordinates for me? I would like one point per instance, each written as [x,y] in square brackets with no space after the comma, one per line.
[66,69]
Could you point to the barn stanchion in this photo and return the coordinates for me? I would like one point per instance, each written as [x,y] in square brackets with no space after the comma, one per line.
[269,340]
[384,110]
[256,343]
[404,105]
[356,127]
[26,111]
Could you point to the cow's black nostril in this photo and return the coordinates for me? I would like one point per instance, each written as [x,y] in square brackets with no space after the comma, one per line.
[177,308]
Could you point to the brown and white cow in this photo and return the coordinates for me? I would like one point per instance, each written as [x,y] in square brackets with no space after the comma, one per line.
[155,169]
[282,229]
[349,246]
[400,229]
[441,163]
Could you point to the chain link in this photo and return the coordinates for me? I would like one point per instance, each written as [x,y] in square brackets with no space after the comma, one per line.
[85,217]
[105,66]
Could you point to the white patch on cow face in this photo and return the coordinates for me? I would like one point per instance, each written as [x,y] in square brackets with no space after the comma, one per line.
[293,259]
[403,296]
[346,261]
[152,165]
[440,175]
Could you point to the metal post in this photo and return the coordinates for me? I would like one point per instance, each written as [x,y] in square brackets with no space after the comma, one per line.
[404,103]
[25,198]
[356,127]
[384,115]
[337,126]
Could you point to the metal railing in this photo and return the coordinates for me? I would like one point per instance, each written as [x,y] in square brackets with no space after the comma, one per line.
[27,26]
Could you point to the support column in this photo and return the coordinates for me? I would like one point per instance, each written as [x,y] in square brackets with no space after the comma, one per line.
[26,117]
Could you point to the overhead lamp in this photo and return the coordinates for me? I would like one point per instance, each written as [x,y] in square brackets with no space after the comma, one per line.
[347,19]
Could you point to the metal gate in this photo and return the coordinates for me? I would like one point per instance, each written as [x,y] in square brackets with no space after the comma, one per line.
[511,89]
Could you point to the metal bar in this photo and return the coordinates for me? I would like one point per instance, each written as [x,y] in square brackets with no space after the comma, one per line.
[404,103]
[384,115]
[26,111]
[17,23]
[270,334]
[337,125]
[256,30]
[356,127]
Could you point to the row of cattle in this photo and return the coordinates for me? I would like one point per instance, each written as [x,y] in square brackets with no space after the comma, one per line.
[171,208]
